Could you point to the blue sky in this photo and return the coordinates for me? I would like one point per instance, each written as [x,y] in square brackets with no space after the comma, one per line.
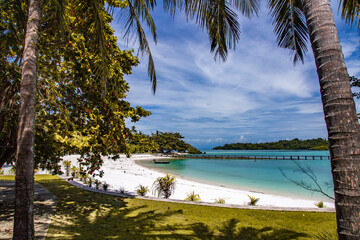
[257,95]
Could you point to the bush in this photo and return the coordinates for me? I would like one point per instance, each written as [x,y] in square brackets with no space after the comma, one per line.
[122,190]
[142,190]
[320,204]
[220,200]
[97,183]
[253,200]
[90,181]
[74,172]
[193,197]
[105,186]
[67,166]
[164,186]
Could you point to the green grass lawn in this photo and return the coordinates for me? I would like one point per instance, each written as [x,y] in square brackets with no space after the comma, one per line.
[82,214]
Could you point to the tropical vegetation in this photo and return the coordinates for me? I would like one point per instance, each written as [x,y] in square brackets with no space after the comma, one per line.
[142,190]
[160,142]
[253,200]
[295,144]
[164,186]
[192,197]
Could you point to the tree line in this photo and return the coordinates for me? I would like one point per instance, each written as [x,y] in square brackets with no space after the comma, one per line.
[294,144]
[160,142]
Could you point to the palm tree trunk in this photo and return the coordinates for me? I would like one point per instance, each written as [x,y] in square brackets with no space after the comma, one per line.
[340,116]
[24,186]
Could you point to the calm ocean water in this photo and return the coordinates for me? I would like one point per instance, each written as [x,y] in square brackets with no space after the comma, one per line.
[260,176]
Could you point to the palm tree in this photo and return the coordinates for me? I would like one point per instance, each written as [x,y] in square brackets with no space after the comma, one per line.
[164,186]
[295,22]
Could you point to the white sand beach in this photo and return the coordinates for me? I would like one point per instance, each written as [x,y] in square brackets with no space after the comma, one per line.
[125,173]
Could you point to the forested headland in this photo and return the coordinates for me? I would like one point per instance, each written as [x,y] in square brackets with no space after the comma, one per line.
[295,144]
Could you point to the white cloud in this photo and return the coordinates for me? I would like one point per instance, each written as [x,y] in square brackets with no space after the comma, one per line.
[257,95]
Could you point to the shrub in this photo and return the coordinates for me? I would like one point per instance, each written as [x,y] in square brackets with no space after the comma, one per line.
[97,183]
[253,200]
[320,204]
[164,186]
[90,181]
[142,190]
[74,172]
[105,186]
[2,172]
[122,190]
[220,200]
[67,166]
[193,197]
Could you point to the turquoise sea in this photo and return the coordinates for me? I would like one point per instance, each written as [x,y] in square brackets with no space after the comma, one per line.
[258,176]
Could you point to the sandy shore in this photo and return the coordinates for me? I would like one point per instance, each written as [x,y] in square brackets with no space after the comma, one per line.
[124,173]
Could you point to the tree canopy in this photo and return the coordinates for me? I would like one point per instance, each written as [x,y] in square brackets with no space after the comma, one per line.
[77,111]
[161,142]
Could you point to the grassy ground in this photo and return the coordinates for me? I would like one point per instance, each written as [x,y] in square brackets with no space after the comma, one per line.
[86,215]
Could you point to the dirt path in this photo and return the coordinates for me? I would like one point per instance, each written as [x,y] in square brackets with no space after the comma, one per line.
[44,206]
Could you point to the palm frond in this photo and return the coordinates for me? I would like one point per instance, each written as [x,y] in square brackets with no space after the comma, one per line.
[218,18]
[133,23]
[350,11]
[290,26]
[247,7]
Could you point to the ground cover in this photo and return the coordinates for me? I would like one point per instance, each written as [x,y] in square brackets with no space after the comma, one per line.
[82,214]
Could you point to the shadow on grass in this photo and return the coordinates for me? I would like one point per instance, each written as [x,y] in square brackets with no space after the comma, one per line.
[230,231]
[87,215]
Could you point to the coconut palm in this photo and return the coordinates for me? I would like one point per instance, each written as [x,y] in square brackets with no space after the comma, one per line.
[164,186]
[295,22]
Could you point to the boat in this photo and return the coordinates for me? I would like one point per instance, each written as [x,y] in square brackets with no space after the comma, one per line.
[161,162]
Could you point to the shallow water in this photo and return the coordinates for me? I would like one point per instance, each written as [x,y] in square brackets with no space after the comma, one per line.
[259,176]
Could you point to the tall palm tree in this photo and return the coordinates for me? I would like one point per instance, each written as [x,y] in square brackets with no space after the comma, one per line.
[24,186]
[295,21]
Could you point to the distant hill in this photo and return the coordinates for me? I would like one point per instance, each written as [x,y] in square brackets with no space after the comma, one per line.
[295,144]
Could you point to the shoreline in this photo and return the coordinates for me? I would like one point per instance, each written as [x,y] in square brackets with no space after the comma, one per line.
[126,174]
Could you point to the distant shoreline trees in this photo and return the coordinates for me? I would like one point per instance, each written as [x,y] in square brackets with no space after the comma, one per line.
[295,144]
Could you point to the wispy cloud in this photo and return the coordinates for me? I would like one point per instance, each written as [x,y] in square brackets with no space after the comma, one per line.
[256,95]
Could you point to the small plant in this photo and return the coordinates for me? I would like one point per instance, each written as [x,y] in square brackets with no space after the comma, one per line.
[122,190]
[97,183]
[320,204]
[253,200]
[74,172]
[84,177]
[142,190]
[164,186]
[105,186]
[90,181]
[2,172]
[67,166]
[220,200]
[193,197]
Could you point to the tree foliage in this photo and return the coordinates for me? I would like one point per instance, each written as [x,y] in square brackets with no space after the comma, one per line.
[77,110]
[295,144]
[161,142]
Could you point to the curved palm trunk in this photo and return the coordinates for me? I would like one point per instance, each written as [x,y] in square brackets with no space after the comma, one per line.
[24,186]
[340,116]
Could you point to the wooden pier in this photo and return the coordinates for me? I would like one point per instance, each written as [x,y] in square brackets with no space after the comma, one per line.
[260,157]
